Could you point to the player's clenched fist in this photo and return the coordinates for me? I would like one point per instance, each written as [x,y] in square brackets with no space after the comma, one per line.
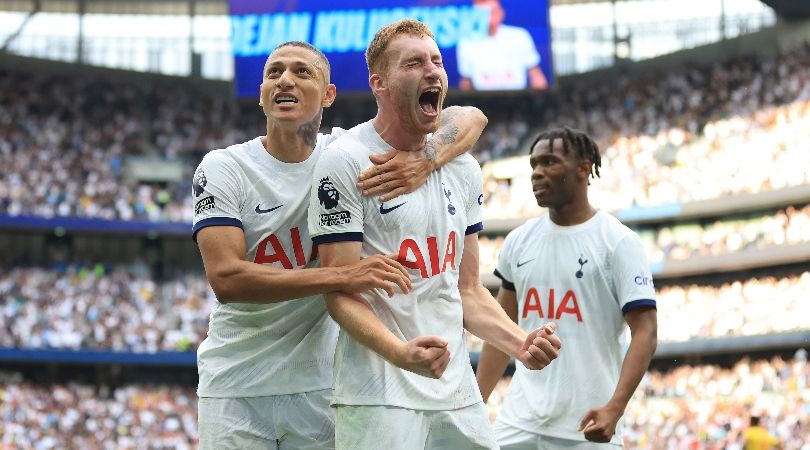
[426,355]
[375,272]
[540,347]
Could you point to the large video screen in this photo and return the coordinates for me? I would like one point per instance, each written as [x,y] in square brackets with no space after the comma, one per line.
[486,44]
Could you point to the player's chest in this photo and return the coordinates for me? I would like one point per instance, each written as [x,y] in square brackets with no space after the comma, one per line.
[436,208]
[274,217]
[550,261]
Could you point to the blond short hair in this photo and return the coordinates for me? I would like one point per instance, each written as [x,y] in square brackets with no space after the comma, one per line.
[375,52]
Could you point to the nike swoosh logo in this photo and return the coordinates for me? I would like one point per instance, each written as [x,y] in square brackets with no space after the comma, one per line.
[384,210]
[265,211]
[525,262]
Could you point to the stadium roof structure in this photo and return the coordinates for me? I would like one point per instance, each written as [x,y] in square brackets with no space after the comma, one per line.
[220,7]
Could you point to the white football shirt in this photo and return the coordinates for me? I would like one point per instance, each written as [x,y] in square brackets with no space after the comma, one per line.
[500,61]
[426,228]
[279,348]
[584,277]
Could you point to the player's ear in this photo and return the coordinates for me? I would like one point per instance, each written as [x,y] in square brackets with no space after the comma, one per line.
[584,169]
[376,83]
[329,95]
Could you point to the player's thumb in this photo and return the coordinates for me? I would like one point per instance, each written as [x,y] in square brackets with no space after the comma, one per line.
[550,328]
[430,341]
[382,158]
[589,416]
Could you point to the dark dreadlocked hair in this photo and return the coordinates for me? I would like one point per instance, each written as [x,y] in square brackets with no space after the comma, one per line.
[585,146]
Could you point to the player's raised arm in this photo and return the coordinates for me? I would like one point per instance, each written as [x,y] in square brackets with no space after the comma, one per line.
[485,318]
[399,172]
[424,355]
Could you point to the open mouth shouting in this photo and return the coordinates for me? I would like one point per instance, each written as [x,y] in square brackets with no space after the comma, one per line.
[285,99]
[429,100]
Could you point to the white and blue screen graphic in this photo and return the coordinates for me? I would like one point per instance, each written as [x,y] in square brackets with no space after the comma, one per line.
[485,44]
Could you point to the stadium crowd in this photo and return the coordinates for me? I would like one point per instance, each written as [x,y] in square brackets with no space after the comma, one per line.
[689,407]
[66,140]
[121,309]
[124,309]
[80,416]
[699,133]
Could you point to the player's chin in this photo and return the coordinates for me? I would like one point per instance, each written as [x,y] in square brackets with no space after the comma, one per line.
[426,123]
[542,201]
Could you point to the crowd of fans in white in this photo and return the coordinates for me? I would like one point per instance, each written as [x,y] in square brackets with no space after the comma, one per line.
[690,407]
[123,310]
[697,133]
[81,416]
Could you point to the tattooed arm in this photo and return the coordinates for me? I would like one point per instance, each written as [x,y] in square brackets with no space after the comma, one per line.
[396,173]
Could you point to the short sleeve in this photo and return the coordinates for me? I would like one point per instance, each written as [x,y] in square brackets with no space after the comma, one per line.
[335,204]
[217,193]
[632,278]
[475,198]
[503,269]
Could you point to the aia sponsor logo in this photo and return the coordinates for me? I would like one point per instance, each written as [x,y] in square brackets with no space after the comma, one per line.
[412,255]
[271,251]
[547,308]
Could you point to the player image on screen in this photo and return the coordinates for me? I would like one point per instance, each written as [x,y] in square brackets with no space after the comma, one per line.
[266,365]
[506,58]
[402,372]
[586,270]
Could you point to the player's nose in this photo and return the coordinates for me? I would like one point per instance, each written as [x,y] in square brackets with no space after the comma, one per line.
[433,72]
[286,80]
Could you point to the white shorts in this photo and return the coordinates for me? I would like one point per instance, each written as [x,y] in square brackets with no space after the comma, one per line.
[278,422]
[392,428]
[513,438]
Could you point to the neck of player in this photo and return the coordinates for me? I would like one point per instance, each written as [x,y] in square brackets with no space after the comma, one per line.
[291,143]
[390,129]
[575,212]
